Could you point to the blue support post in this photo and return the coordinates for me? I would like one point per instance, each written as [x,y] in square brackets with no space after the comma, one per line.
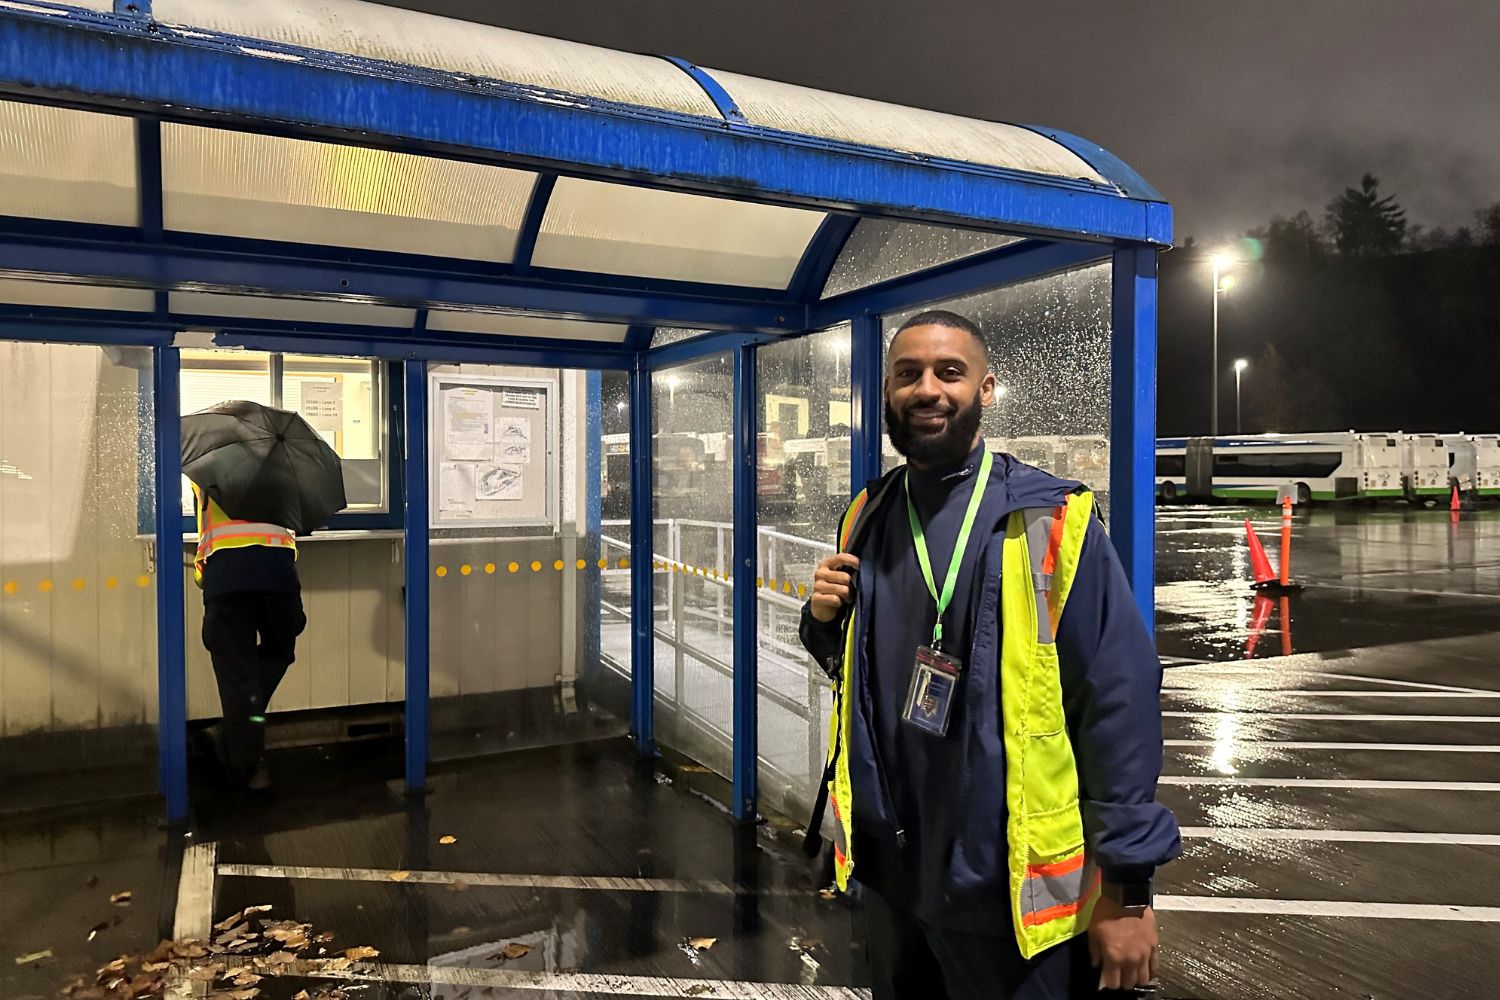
[171,654]
[867,366]
[746,669]
[417,603]
[592,543]
[642,530]
[1132,422]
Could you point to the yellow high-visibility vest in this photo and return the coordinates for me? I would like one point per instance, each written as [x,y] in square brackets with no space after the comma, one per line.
[217,530]
[1054,884]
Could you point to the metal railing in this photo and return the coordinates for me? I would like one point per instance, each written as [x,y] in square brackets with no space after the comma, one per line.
[693,604]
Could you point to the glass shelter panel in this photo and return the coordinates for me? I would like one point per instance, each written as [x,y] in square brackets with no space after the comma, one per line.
[56,163]
[693,552]
[803,409]
[1049,345]
[515,550]
[882,249]
[78,690]
[614,493]
[618,229]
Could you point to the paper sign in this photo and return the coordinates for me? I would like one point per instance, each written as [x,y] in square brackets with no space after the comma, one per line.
[323,405]
[513,440]
[456,490]
[467,425]
[497,482]
[521,399]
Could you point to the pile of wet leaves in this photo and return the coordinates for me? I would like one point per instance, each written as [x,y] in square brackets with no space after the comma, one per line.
[243,950]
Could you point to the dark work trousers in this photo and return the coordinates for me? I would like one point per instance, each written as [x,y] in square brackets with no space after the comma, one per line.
[912,960]
[252,637]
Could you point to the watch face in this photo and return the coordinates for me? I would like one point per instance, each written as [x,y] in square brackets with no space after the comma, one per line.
[1135,894]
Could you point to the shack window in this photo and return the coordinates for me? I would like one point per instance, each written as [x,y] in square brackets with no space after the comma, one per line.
[342,398]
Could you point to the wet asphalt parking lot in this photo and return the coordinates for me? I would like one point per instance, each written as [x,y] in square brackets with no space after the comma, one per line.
[1340,809]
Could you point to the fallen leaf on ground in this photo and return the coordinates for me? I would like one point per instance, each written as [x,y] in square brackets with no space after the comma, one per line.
[206,974]
[513,951]
[281,958]
[97,929]
[702,944]
[303,995]
[702,989]
[399,876]
[459,886]
[35,956]
[826,894]
[121,898]
[447,840]
[361,953]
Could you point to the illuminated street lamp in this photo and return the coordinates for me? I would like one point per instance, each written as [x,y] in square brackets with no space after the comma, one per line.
[1221,262]
[1240,364]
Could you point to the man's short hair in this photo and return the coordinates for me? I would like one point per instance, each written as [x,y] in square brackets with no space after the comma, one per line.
[952,320]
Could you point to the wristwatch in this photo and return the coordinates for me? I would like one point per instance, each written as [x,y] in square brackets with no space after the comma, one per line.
[1134,897]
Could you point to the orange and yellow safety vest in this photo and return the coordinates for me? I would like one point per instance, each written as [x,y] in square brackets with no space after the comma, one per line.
[217,530]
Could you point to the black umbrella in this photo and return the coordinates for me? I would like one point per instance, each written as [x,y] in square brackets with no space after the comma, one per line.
[263,464]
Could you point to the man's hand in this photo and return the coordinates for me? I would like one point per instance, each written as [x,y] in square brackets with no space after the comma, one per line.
[833,586]
[1125,946]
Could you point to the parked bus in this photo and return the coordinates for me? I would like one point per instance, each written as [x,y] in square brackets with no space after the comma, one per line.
[1424,466]
[1473,463]
[1325,466]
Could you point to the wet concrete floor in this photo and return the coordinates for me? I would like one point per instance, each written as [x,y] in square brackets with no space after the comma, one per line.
[1371,575]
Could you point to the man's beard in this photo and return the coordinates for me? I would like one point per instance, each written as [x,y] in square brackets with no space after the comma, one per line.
[948,447]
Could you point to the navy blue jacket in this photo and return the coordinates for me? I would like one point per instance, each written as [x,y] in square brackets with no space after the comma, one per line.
[947,797]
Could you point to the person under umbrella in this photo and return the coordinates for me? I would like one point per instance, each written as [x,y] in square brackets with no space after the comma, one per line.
[260,477]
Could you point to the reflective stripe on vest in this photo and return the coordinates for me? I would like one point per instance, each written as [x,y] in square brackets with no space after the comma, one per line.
[217,530]
[1053,882]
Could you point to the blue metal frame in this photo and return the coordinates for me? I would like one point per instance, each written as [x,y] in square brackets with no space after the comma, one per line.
[723,103]
[593,516]
[684,351]
[867,382]
[642,577]
[418,604]
[148,177]
[531,224]
[171,651]
[820,255]
[103,61]
[1132,423]
[746,642]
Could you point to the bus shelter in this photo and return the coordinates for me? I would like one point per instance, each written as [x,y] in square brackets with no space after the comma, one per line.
[582,324]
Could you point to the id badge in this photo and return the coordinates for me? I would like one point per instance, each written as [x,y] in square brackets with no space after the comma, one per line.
[934,685]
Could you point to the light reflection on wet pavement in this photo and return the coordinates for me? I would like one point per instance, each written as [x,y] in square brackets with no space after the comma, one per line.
[1371,576]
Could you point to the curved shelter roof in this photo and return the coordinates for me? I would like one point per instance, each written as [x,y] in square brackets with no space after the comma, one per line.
[180,137]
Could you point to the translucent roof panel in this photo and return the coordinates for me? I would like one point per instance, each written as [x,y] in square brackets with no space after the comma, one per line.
[673,335]
[617,229]
[72,296]
[288,310]
[267,187]
[77,166]
[379,32]
[452,321]
[881,249]
[891,126]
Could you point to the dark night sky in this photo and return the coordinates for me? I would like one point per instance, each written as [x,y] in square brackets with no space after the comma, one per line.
[1236,111]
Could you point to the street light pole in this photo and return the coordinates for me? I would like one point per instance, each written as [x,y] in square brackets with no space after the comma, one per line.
[1213,422]
[1240,365]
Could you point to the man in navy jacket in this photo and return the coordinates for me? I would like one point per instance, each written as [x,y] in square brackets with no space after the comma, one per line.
[929,820]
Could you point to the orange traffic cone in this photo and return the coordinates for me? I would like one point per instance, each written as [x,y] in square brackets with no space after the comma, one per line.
[1259,564]
[1454,504]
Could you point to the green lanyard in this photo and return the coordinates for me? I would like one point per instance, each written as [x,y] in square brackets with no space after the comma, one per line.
[920,540]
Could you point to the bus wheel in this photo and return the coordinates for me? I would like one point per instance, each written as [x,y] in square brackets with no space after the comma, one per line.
[1169,492]
[1304,494]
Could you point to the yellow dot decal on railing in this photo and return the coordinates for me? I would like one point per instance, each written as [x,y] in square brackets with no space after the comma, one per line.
[582,564]
[79,583]
[514,567]
[786,588]
[760,581]
[604,564]
[11,586]
[143,581]
[801,590]
[466,569]
[442,571]
[45,586]
[558,565]
[536,566]
[489,569]
[111,582]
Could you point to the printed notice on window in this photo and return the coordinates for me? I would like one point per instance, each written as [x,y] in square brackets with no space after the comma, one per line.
[521,399]
[323,407]
[456,490]
[468,421]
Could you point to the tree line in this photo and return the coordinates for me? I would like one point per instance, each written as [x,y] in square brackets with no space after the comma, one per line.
[1359,319]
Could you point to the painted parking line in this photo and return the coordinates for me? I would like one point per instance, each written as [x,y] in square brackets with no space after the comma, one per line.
[1325,693]
[1231,835]
[580,983]
[1391,784]
[508,881]
[1318,745]
[1328,908]
[1389,681]
[194,916]
[1329,716]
